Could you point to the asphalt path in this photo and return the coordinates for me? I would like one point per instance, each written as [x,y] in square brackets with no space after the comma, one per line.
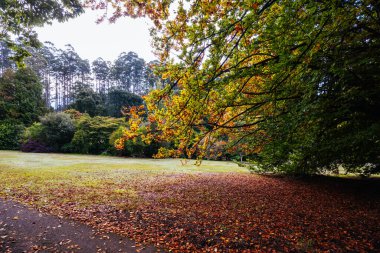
[23,229]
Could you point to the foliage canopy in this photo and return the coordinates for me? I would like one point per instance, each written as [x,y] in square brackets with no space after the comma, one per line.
[294,82]
[17,19]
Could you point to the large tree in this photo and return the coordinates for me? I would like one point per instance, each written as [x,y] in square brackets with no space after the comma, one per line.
[128,72]
[118,99]
[88,101]
[21,97]
[294,82]
[101,70]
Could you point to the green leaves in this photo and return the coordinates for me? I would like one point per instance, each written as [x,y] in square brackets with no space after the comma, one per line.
[17,19]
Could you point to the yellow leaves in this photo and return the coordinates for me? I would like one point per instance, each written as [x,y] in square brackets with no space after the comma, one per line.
[134,125]
[165,75]
[165,153]
[119,144]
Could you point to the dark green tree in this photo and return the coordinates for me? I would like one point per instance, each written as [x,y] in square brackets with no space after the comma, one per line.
[87,101]
[21,96]
[117,99]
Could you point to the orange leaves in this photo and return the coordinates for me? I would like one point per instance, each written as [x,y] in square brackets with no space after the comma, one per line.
[229,212]
[119,144]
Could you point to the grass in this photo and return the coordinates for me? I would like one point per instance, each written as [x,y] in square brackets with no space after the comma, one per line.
[214,207]
[43,177]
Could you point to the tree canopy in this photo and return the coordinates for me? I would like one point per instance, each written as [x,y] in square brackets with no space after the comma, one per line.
[20,97]
[294,83]
[17,19]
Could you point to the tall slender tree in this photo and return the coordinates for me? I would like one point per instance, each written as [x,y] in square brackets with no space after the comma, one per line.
[101,70]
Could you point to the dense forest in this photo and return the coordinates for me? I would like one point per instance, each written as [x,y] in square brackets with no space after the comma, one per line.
[65,76]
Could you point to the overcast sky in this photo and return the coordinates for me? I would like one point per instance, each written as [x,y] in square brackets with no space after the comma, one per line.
[91,40]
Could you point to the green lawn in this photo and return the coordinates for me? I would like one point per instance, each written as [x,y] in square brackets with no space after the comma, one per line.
[90,178]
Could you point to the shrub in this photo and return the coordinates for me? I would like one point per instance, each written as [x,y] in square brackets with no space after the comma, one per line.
[34,132]
[53,132]
[35,147]
[58,130]
[92,135]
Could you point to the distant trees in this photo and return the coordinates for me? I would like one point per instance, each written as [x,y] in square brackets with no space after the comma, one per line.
[64,74]
[60,79]
[62,71]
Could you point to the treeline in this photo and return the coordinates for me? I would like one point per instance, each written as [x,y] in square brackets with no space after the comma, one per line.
[89,126]
[74,132]
[54,80]
[26,123]
[63,73]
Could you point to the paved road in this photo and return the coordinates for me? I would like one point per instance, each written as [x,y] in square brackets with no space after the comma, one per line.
[26,230]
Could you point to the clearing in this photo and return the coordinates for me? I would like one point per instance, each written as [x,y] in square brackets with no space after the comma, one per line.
[184,208]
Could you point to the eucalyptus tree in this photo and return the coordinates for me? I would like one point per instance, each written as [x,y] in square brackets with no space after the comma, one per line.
[152,80]
[68,68]
[128,72]
[101,70]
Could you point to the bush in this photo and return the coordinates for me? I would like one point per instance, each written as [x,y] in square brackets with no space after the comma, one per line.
[34,132]
[53,132]
[92,135]
[58,130]
[136,148]
[10,134]
[35,147]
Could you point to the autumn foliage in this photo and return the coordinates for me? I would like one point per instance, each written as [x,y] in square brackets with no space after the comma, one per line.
[291,83]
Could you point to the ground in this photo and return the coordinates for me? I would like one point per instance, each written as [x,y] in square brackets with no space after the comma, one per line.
[26,230]
[184,208]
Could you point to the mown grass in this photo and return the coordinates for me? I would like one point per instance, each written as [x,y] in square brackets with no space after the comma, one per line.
[86,180]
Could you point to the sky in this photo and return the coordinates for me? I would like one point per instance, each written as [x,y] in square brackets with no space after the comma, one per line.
[91,40]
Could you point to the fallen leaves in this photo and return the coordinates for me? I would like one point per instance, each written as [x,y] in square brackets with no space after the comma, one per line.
[216,212]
